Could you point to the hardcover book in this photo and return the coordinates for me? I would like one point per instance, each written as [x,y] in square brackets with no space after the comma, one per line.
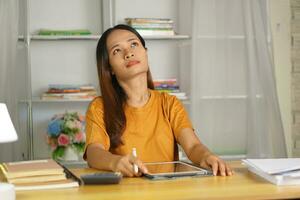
[31,168]
[36,174]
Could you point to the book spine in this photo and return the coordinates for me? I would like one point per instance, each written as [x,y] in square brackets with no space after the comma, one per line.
[148,20]
[151,26]
[64,32]
[155,32]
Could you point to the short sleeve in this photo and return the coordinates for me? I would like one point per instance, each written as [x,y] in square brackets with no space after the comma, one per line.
[178,116]
[95,126]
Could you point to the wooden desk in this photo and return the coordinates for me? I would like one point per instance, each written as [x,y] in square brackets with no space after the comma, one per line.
[242,185]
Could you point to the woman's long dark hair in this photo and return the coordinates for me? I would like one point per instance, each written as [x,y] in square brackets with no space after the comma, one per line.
[113,94]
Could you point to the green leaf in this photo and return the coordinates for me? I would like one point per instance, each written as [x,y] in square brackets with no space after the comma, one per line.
[79,147]
[58,153]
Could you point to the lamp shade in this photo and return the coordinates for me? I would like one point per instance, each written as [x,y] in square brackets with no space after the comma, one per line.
[7,129]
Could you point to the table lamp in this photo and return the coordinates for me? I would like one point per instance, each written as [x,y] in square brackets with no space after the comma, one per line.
[7,134]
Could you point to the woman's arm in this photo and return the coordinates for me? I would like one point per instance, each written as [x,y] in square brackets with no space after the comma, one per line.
[199,154]
[101,159]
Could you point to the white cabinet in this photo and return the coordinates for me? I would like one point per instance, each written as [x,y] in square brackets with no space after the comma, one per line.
[72,60]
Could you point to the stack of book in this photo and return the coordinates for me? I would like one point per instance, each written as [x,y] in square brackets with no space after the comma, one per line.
[282,171]
[36,175]
[170,86]
[56,32]
[152,26]
[71,92]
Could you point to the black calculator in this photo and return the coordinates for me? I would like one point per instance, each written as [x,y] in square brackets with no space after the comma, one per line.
[101,178]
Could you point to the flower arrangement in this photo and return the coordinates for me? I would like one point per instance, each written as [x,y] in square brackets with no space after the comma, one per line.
[64,131]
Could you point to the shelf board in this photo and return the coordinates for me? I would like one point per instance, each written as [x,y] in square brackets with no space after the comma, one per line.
[60,100]
[39,100]
[97,37]
[62,37]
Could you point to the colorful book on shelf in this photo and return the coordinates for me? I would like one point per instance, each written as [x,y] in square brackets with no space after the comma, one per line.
[70,87]
[168,90]
[156,32]
[36,174]
[166,84]
[165,81]
[148,20]
[48,32]
[52,90]
[281,171]
[163,86]
[70,92]
[170,86]
[152,26]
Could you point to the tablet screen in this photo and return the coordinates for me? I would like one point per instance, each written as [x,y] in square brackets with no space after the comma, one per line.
[172,167]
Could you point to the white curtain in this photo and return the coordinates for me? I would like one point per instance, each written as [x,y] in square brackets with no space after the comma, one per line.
[234,104]
[8,70]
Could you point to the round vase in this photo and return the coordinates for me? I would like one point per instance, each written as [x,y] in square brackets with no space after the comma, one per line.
[70,154]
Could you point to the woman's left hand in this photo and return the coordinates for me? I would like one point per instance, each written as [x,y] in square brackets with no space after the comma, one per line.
[218,166]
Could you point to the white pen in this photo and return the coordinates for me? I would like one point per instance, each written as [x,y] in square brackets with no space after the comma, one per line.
[135,167]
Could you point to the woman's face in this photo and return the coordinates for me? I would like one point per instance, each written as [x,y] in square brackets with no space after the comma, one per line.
[127,56]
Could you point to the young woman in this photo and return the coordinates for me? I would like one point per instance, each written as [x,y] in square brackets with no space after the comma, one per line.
[131,114]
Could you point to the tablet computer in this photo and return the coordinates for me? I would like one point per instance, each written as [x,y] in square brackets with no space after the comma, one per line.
[167,170]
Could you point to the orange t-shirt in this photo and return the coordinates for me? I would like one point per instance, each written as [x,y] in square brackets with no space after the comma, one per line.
[152,129]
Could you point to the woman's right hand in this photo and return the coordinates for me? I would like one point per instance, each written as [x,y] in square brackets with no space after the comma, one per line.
[125,165]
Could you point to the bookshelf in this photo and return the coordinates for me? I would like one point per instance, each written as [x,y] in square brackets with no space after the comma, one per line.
[54,60]
[97,37]
[71,59]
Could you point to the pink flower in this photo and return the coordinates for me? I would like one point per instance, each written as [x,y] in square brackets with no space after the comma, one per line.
[63,140]
[79,137]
